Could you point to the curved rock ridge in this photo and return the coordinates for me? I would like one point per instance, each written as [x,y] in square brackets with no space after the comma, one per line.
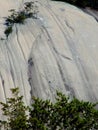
[56,51]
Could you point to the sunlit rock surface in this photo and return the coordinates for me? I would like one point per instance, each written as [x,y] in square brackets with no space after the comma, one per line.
[56,51]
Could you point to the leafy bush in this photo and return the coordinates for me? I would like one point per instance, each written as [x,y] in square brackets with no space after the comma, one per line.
[64,114]
[8,31]
[15,111]
[30,10]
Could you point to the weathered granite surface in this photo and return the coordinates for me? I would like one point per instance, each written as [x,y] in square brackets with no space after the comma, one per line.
[56,51]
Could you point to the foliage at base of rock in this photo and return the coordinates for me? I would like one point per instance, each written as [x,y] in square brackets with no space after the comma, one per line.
[64,114]
[15,111]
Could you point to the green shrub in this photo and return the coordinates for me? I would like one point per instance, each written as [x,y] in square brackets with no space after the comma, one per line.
[8,31]
[20,18]
[30,11]
[64,114]
[15,111]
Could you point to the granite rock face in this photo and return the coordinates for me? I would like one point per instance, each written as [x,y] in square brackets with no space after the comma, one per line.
[56,51]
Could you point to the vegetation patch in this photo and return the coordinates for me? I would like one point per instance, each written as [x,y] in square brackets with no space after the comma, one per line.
[64,114]
[8,31]
[29,10]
